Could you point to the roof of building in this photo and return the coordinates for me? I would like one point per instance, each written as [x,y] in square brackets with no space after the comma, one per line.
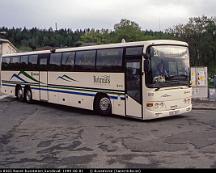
[7,41]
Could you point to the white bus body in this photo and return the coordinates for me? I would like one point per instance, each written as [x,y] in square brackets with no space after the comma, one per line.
[81,79]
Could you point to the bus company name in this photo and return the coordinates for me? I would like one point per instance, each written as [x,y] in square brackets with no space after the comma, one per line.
[34,74]
[102,79]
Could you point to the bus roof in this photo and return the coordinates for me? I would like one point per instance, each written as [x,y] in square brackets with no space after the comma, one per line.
[104,46]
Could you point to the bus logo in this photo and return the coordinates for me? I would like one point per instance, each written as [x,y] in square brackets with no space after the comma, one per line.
[102,79]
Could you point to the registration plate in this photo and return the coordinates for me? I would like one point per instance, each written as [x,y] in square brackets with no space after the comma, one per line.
[173,113]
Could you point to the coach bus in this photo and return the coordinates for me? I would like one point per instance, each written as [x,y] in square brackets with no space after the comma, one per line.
[144,80]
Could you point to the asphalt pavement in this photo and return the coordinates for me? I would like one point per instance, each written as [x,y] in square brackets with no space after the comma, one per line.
[42,135]
[204,104]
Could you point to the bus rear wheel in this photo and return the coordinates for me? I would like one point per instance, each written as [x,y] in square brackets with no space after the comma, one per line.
[19,93]
[28,95]
[103,105]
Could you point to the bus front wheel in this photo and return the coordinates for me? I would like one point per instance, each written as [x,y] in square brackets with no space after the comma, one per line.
[103,105]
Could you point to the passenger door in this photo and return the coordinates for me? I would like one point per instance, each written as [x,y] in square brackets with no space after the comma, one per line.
[133,88]
[43,64]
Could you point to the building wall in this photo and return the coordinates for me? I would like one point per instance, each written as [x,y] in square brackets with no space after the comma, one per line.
[5,48]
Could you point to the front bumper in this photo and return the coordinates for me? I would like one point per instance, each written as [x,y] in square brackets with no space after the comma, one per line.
[150,115]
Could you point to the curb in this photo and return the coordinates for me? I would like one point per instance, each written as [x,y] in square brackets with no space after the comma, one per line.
[200,108]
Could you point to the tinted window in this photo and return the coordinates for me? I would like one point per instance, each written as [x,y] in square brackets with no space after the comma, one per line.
[85,60]
[134,51]
[109,60]
[15,60]
[133,80]
[24,62]
[68,61]
[15,63]
[43,59]
[33,59]
[55,61]
[5,63]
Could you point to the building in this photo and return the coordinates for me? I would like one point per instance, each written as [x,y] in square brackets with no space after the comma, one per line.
[6,47]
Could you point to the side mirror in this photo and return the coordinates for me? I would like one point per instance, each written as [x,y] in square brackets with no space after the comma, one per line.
[146,65]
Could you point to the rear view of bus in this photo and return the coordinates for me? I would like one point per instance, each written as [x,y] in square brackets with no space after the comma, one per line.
[167,90]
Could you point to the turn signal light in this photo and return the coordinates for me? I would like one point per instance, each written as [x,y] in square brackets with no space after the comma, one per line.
[149,105]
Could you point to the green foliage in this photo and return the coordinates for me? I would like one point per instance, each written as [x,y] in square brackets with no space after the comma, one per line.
[35,38]
[200,34]
[126,29]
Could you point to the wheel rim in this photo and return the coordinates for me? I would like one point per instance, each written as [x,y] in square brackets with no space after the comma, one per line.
[28,95]
[104,104]
[19,94]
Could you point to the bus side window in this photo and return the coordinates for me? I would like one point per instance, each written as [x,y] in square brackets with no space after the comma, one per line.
[68,61]
[24,62]
[5,63]
[134,52]
[32,65]
[85,60]
[109,60]
[14,63]
[43,61]
[55,62]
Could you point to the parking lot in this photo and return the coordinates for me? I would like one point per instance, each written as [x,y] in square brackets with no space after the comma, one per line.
[42,135]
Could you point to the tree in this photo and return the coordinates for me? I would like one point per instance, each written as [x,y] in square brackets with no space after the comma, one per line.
[200,33]
[128,30]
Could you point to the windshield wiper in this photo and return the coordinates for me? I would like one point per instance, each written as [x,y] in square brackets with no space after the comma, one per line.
[158,88]
[178,82]
[177,77]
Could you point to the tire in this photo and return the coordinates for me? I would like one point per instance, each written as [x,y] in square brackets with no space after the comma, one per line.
[28,95]
[103,105]
[19,93]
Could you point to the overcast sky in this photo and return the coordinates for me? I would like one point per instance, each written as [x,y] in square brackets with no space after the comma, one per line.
[80,14]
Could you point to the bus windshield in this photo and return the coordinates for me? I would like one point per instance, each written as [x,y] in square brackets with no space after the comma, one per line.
[169,66]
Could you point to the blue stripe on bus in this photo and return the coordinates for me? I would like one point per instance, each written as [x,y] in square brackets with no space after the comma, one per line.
[67,92]
[9,85]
